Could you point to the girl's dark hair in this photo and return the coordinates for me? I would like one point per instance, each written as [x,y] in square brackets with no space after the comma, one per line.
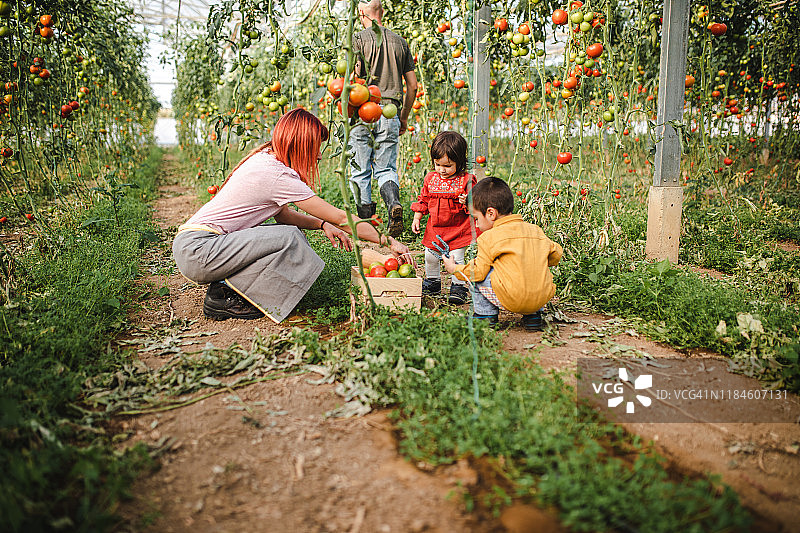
[452,145]
[493,192]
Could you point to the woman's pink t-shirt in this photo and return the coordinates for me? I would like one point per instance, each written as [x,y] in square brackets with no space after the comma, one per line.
[256,192]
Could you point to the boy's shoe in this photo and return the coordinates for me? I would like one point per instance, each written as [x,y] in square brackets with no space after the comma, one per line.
[491,319]
[533,321]
[458,295]
[431,286]
[222,302]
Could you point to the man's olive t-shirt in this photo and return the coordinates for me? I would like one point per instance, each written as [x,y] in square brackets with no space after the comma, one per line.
[384,65]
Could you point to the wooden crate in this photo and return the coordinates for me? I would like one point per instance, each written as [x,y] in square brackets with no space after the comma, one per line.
[395,293]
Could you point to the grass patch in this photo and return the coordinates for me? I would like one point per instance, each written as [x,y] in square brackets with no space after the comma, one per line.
[552,452]
[330,292]
[69,294]
[687,311]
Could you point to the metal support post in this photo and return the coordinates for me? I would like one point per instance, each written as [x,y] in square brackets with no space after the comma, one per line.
[480,85]
[664,205]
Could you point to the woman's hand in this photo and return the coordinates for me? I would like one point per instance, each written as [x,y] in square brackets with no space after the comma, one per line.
[338,237]
[397,247]
[415,225]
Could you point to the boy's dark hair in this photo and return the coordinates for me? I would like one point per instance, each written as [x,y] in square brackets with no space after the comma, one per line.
[493,192]
[453,145]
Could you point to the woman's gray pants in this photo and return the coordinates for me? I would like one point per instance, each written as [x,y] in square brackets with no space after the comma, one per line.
[272,266]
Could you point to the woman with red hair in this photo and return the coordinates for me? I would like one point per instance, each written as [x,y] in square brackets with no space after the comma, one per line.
[256,269]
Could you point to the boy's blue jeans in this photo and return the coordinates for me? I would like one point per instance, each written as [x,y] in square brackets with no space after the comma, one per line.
[482,303]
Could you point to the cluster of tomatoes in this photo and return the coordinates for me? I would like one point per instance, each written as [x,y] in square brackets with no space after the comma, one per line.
[391,268]
[37,73]
[362,100]
[584,21]
[270,96]
[68,108]
[45,28]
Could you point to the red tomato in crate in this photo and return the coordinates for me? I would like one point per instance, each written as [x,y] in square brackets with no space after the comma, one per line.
[377,272]
[391,264]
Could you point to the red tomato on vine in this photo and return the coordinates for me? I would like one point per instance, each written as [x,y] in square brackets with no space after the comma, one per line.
[717,28]
[564,157]
[560,17]
[594,50]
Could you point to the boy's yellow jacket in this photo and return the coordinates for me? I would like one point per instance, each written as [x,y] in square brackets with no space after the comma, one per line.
[520,253]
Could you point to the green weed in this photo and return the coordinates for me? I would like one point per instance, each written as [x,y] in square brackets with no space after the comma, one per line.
[68,293]
[679,307]
[553,452]
[330,292]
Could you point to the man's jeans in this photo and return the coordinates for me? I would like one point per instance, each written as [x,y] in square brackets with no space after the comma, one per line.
[380,158]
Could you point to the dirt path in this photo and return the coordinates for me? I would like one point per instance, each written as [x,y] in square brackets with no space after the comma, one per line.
[286,467]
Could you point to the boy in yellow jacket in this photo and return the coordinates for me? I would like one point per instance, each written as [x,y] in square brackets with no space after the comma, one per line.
[511,270]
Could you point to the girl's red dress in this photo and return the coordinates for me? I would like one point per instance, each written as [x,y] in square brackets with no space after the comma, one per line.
[448,217]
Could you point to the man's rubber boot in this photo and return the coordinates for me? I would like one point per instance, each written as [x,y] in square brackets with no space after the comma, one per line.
[390,193]
[366,210]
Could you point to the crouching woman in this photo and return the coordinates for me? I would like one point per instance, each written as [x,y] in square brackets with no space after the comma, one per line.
[255,269]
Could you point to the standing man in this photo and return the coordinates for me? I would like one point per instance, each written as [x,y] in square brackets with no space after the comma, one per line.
[387,64]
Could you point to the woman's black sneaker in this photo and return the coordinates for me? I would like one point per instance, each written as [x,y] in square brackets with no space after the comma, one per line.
[533,322]
[431,286]
[222,302]
[458,295]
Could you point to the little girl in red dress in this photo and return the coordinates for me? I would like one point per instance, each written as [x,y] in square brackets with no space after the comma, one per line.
[444,198]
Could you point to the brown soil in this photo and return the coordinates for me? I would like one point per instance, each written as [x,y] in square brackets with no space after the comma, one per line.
[788,246]
[287,467]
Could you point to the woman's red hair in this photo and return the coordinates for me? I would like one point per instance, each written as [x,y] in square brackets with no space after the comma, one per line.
[296,140]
